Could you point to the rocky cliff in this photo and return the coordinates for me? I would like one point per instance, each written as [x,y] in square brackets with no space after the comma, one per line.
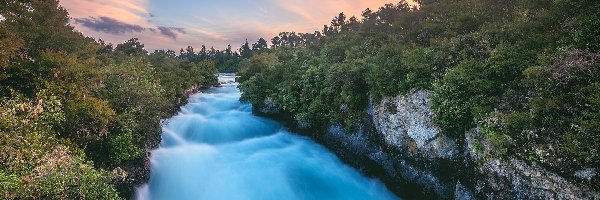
[398,143]
[405,123]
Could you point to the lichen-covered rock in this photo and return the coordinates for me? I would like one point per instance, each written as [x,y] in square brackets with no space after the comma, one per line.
[414,144]
[474,145]
[586,174]
[515,179]
[269,107]
[361,142]
[406,122]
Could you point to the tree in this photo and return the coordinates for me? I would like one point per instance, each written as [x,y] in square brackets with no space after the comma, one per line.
[275,41]
[245,51]
[339,22]
[228,50]
[29,28]
[260,45]
[188,54]
[203,54]
[131,47]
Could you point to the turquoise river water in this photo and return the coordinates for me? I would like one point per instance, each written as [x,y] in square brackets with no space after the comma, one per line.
[215,148]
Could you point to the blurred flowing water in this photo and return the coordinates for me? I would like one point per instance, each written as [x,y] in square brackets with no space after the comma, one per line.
[216,149]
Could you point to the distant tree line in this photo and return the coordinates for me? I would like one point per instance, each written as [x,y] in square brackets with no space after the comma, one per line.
[227,60]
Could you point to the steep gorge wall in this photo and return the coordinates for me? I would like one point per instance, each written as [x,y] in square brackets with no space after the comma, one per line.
[399,143]
[406,124]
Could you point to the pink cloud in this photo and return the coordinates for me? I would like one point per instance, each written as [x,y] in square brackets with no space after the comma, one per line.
[316,13]
[128,11]
[209,34]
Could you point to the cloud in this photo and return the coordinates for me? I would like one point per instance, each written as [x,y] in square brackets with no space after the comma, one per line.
[209,34]
[109,25]
[171,32]
[127,11]
[116,27]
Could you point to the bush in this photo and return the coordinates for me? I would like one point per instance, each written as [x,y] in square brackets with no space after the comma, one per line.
[38,165]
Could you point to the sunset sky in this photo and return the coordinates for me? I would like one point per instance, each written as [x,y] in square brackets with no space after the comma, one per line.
[175,24]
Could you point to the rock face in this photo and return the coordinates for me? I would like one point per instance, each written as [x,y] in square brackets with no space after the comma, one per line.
[406,123]
[399,143]
[515,179]
[269,107]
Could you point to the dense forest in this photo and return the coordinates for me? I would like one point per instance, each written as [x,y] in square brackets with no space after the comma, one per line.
[526,72]
[77,116]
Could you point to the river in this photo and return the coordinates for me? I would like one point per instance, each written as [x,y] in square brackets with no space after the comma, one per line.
[215,148]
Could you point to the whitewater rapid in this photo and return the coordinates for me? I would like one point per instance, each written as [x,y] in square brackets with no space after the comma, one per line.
[216,149]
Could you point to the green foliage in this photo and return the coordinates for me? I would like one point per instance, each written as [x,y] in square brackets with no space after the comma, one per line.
[518,123]
[35,164]
[398,71]
[498,143]
[132,47]
[258,63]
[586,22]
[452,100]
[124,148]
[252,67]
[88,118]
[566,104]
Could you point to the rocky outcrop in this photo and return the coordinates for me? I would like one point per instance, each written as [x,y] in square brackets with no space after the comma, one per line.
[406,125]
[364,149]
[269,107]
[405,122]
[515,179]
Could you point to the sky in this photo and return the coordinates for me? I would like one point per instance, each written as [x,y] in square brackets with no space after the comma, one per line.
[176,24]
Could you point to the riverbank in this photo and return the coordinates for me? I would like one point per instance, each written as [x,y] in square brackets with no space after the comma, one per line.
[138,171]
[397,142]
[359,149]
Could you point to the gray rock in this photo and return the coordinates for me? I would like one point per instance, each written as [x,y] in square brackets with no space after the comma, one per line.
[407,123]
[515,179]
[586,174]
[518,180]
[269,107]
[474,145]
[303,124]
[355,140]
